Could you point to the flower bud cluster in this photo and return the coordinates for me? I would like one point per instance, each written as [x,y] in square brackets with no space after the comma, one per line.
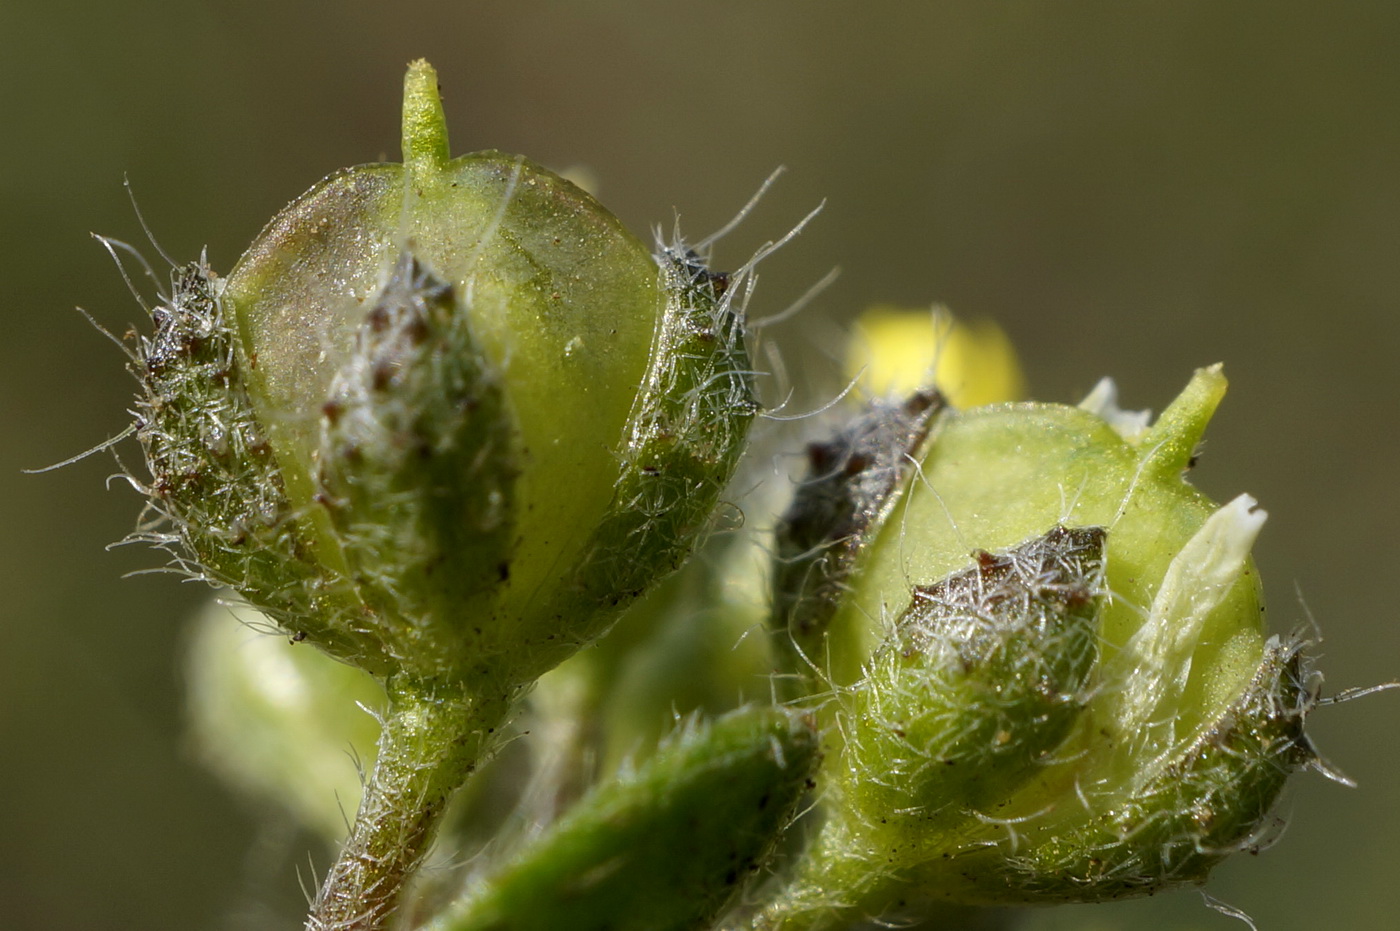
[447,420]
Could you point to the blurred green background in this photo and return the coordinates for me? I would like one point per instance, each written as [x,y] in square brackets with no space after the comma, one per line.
[1129,188]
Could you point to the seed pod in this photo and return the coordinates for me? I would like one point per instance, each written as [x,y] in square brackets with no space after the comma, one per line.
[993,477]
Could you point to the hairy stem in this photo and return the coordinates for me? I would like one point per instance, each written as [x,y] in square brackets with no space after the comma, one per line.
[829,892]
[433,739]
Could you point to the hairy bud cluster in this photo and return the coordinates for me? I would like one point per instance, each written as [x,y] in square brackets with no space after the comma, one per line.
[447,420]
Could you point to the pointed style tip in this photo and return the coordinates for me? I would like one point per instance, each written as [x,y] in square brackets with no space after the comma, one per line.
[424,125]
[1171,442]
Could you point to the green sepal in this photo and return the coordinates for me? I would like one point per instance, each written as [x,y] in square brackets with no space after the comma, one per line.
[666,848]
[982,678]
[851,483]
[416,472]
[1187,812]
[216,485]
[985,674]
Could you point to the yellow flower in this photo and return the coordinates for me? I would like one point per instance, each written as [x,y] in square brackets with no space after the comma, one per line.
[902,350]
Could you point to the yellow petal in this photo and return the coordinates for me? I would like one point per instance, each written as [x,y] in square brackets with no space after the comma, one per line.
[901,350]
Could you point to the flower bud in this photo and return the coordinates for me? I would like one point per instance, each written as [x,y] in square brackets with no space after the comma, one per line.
[1091,712]
[445,417]
[286,727]
[903,350]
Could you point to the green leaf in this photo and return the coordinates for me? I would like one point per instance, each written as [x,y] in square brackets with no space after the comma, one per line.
[666,848]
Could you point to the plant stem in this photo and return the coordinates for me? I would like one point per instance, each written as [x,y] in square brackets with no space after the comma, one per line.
[433,739]
[837,885]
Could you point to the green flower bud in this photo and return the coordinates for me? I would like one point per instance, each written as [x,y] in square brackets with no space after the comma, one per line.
[287,727]
[447,417]
[724,791]
[1090,713]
